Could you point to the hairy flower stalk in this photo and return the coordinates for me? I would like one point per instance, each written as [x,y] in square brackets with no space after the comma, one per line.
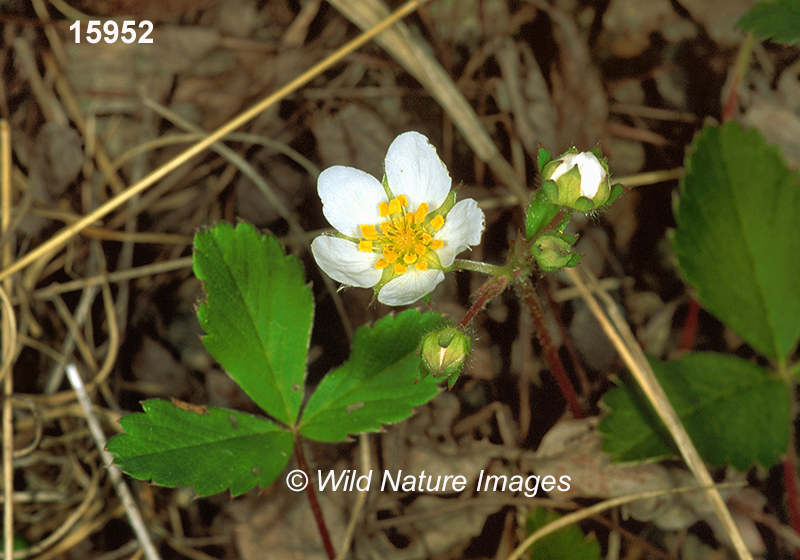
[398,237]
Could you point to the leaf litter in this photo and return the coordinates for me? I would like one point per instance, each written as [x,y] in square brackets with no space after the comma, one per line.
[638,80]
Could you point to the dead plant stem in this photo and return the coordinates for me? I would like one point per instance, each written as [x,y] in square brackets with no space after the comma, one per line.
[8,333]
[114,472]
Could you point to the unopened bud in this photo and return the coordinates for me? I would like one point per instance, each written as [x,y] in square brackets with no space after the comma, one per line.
[578,180]
[444,353]
[554,252]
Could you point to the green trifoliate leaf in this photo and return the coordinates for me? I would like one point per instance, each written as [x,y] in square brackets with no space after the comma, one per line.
[568,543]
[212,449]
[778,20]
[376,385]
[737,237]
[257,314]
[736,413]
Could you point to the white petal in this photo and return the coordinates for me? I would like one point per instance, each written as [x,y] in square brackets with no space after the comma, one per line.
[462,228]
[410,286]
[592,171]
[350,198]
[342,261]
[414,169]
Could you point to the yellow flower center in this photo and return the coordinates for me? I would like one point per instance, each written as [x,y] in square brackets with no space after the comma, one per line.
[405,237]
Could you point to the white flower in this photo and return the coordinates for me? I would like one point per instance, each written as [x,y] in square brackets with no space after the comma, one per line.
[592,172]
[398,237]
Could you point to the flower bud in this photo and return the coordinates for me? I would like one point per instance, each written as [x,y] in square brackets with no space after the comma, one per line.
[579,181]
[444,353]
[554,252]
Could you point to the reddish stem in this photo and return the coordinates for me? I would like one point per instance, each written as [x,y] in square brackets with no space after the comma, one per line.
[689,331]
[528,294]
[490,289]
[312,499]
[732,102]
[792,492]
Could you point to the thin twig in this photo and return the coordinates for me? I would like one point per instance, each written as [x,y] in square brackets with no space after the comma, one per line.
[73,324]
[8,330]
[124,493]
[119,276]
[361,500]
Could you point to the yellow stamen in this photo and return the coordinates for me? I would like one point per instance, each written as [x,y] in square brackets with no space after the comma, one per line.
[421,212]
[390,256]
[405,238]
[369,232]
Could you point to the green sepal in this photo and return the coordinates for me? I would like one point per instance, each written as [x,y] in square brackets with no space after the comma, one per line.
[554,251]
[540,213]
[446,206]
[616,191]
[550,189]
[569,188]
[583,204]
[452,379]
[387,189]
[545,157]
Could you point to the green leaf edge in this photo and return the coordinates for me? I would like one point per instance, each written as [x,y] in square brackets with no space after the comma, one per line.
[135,424]
[658,428]
[270,243]
[429,322]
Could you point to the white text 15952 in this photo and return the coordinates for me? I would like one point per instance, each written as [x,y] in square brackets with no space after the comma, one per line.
[110,31]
